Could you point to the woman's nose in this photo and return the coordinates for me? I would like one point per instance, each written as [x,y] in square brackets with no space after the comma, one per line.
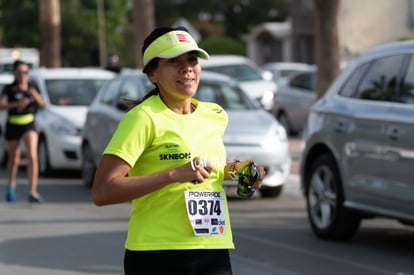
[186,67]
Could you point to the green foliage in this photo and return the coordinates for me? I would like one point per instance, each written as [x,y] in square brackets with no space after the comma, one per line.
[79,30]
[79,36]
[239,16]
[223,45]
[242,16]
[408,37]
[20,24]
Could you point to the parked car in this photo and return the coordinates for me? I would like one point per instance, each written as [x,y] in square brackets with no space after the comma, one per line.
[67,92]
[358,157]
[252,132]
[258,84]
[282,70]
[294,98]
[5,78]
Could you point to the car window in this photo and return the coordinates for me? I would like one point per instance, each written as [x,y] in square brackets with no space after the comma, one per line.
[241,72]
[350,87]
[382,78]
[305,81]
[131,89]
[148,85]
[227,96]
[287,72]
[406,94]
[110,92]
[73,91]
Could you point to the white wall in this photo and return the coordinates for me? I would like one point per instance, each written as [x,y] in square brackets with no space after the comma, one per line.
[363,24]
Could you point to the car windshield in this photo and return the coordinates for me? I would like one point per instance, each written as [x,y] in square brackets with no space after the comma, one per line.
[227,96]
[80,92]
[240,72]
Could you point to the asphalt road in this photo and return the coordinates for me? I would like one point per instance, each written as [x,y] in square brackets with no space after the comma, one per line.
[68,235]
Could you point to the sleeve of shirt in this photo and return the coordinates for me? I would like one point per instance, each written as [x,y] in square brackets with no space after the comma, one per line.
[133,135]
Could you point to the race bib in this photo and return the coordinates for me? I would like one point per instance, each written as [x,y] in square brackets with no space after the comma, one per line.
[206,212]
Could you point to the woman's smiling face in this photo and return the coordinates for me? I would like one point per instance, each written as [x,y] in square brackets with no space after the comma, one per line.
[177,77]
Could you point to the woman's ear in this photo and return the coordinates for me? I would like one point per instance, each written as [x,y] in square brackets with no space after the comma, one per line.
[152,77]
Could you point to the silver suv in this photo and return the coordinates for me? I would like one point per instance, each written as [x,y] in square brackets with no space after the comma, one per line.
[359,145]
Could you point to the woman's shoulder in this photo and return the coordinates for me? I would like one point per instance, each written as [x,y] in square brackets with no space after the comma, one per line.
[214,107]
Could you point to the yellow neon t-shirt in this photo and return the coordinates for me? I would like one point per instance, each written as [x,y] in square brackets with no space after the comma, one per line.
[152,138]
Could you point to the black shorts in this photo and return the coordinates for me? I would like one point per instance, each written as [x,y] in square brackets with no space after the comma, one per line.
[183,262]
[14,131]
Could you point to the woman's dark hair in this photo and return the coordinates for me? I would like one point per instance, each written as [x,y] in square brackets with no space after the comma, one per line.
[17,63]
[152,65]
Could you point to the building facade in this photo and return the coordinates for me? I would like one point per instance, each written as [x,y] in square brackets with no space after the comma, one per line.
[362,24]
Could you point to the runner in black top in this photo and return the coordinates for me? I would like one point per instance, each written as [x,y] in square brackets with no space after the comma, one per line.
[21,100]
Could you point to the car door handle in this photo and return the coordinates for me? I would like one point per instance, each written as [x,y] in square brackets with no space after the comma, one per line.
[394,133]
[340,126]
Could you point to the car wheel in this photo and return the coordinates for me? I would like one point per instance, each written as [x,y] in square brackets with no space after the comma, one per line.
[271,192]
[43,158]
[88,165]
[327,215]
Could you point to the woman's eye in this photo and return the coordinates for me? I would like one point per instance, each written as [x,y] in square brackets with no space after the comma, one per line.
[193,59]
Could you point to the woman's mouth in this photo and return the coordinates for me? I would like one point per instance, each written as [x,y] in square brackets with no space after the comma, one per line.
[186,81]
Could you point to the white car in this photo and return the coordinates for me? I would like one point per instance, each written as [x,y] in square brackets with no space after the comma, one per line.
[252,133]
[67,92]
[258,84]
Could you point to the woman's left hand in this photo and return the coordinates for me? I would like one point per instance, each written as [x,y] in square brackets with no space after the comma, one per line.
[261,176]
[31,91]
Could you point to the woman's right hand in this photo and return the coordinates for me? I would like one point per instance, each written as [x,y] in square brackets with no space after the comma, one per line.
[197,170]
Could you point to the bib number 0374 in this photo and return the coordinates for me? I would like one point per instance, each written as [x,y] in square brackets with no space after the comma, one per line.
[204,207]
[206,212]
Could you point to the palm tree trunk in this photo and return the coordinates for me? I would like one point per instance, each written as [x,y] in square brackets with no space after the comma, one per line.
[326,43]
[144,22]
[49,14]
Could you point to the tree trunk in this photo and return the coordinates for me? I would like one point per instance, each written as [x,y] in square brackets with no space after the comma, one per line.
[49,14]
[326,43]
[101,33]
[143,22]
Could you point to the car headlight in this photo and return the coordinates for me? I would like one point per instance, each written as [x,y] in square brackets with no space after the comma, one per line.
[281,132]
[276,134]
[62,126]
[267,100]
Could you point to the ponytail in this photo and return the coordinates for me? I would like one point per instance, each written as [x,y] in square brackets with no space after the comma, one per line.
[133,103]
